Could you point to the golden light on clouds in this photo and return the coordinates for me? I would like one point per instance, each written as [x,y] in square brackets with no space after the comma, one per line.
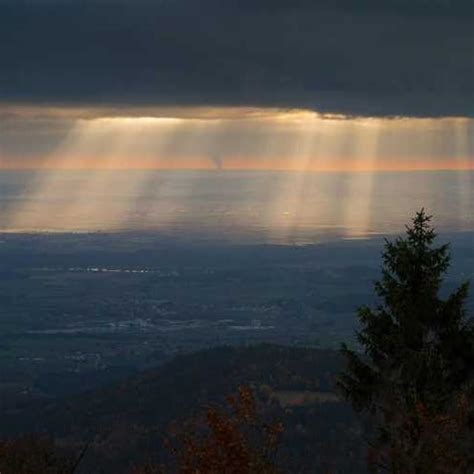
[98,141]
[234,138]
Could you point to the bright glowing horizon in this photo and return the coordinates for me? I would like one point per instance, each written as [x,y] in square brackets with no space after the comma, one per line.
[235,164]
[230,138]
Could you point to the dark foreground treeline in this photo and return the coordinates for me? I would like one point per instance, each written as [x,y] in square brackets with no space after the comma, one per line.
[412,386]
[124,425]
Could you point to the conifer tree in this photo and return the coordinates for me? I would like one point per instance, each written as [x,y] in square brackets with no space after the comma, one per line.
[419,358]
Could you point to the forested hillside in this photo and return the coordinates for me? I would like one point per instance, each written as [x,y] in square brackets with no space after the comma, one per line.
[125,423]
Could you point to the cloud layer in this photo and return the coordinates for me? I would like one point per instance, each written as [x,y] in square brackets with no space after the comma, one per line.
[230,138]
[398,57]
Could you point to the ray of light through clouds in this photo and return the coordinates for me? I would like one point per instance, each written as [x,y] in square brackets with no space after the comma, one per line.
[79,189]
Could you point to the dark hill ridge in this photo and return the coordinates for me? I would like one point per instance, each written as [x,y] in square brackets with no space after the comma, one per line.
[126,421]
[189,381]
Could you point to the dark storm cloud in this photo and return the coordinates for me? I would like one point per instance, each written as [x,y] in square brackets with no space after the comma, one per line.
[370,57]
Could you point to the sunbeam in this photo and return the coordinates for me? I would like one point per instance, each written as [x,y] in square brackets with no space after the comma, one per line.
[79,186]
[357,213]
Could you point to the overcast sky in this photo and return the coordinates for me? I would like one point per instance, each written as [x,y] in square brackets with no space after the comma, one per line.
[376,57]
[365,58]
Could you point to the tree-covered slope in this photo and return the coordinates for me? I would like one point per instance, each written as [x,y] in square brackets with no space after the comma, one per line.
[125,422]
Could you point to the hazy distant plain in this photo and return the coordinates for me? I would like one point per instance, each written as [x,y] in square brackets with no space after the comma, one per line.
[249,206]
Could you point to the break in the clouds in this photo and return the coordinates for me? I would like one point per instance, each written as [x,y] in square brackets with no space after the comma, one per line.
[235,138]
[370,57]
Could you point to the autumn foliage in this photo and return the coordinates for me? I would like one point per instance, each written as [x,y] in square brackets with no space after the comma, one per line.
[428,442]
[232,439]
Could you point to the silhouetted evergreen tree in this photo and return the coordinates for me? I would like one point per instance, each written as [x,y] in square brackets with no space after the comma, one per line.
[419,358]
